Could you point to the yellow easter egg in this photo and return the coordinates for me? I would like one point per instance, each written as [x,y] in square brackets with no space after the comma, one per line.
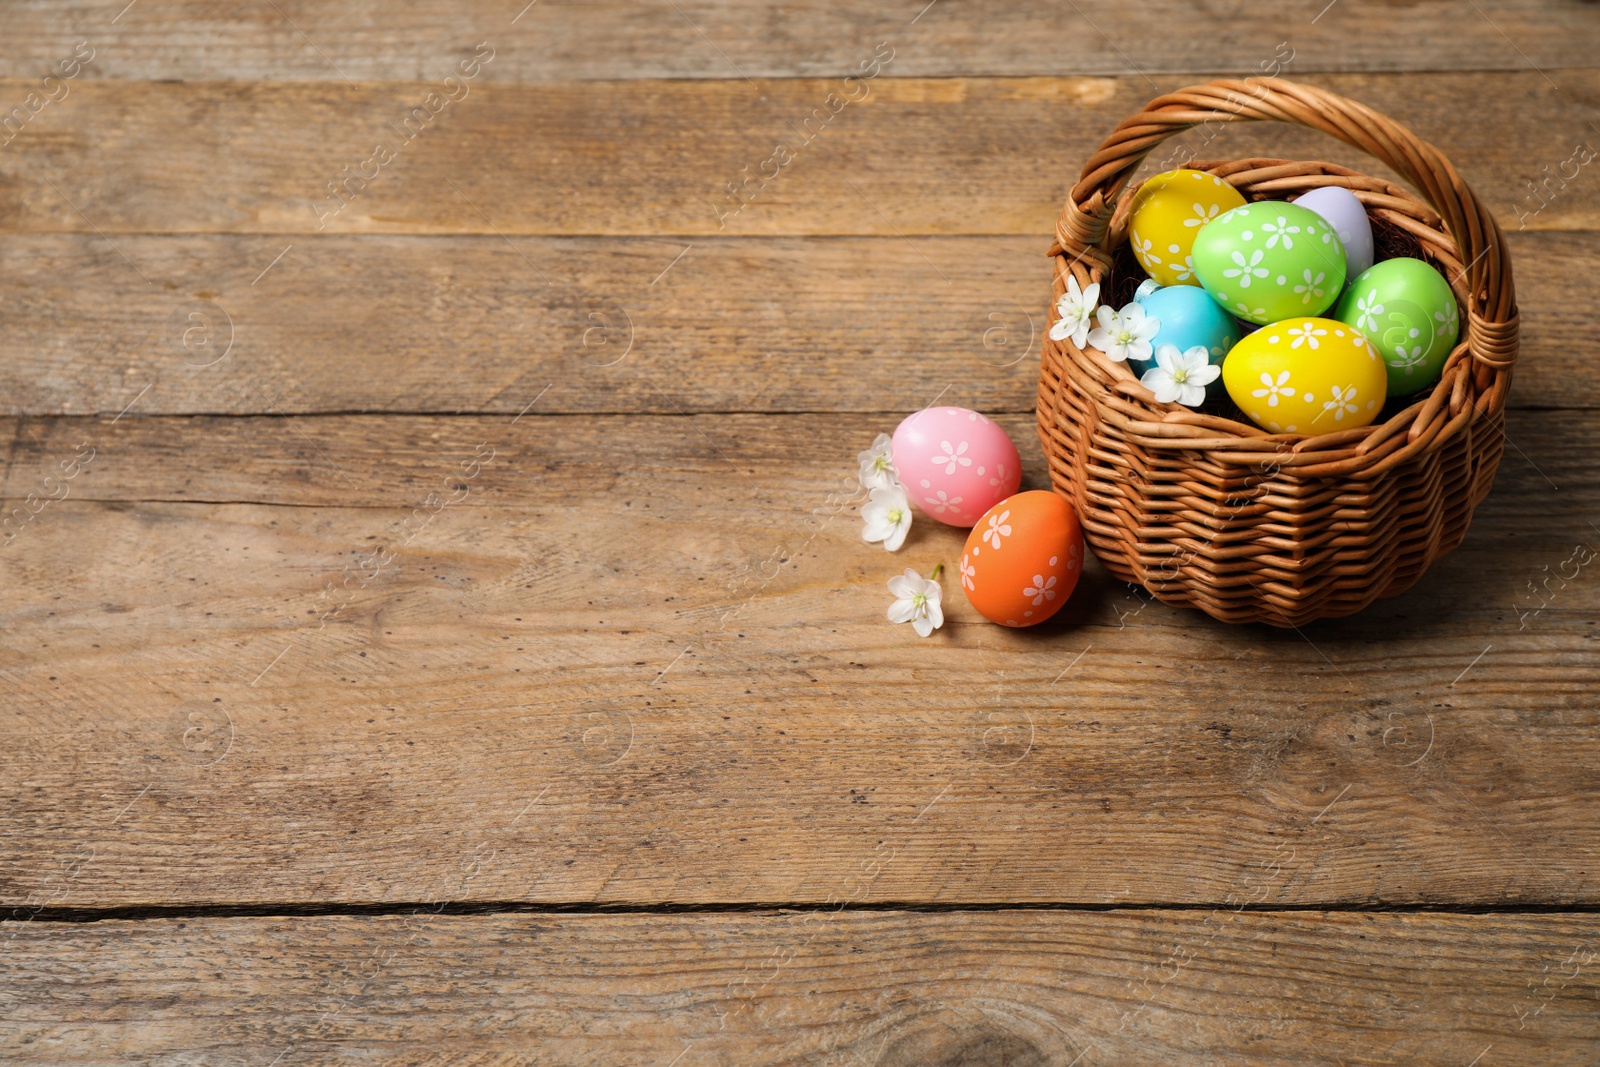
[1308,375]
[1167,212]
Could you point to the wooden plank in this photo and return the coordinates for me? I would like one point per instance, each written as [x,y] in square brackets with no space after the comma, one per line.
[367,40]
[910,156]
[240,324]
[643,660]
[895,989]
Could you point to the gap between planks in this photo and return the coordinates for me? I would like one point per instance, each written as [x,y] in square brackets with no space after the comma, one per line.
[589,907]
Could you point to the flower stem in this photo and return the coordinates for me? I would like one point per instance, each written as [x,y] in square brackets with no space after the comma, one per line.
[938,569]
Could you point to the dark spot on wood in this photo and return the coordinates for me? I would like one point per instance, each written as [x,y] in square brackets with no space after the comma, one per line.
[942,1045]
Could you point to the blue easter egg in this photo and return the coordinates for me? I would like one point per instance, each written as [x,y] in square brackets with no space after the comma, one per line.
[1189,317]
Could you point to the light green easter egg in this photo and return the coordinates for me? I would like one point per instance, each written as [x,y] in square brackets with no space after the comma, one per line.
[1270,261]
[1406,309]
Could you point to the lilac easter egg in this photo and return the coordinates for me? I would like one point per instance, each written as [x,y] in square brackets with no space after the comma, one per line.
[955,464]
[1348,218]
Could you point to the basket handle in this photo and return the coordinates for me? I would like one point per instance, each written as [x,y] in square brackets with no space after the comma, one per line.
[1084,230]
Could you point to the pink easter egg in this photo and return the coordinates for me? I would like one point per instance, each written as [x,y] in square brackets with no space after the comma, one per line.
[955,464]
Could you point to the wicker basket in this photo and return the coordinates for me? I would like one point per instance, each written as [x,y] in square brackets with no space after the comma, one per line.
[1217,514]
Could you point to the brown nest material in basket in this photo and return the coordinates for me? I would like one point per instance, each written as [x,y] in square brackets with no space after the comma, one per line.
[1207,510]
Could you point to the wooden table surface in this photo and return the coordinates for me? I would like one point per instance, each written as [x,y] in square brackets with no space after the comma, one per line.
[436,626]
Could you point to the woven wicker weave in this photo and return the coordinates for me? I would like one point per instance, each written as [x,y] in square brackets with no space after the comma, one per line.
[1217,514]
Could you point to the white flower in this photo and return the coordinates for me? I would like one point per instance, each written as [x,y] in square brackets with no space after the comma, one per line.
[1369,309]
[1076,308]
[877,465]
[1245,270]
[1306,334]
[1274,389]
[939,503]
[1280,231]
[1183,271]
[1343,400]
[968,572]
[1124,334]
[916,602]
[1041,589]
[952,457]
[887,516]
[998,528]
[1181,376]
[1246,311]
[1201,215]
[1312,289]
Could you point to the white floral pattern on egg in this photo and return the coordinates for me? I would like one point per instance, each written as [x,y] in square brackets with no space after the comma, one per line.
[961,462]
[1305,375]
[1022,560]
[1269,261]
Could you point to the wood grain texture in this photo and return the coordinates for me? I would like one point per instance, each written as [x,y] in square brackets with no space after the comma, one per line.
[261,661]
[457,610]
[1008,989]
[469,324]
[370,40]
[911,156]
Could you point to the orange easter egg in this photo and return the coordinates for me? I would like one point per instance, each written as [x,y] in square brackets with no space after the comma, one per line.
[1022,559]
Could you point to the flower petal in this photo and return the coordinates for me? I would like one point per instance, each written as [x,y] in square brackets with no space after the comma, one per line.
[906,585]
[889,497]
[902,610]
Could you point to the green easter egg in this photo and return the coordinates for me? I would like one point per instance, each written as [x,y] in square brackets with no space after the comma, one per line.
[1270,261]
[1406,309]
